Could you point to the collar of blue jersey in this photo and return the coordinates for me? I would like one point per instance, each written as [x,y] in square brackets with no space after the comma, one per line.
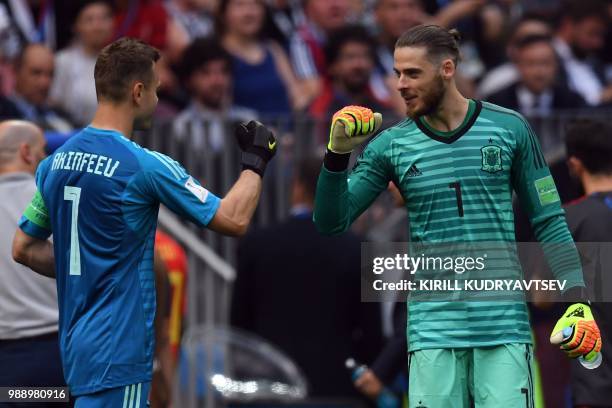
[108,131]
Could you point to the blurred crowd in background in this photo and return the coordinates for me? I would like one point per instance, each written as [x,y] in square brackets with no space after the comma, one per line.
[286,61]
[241,59]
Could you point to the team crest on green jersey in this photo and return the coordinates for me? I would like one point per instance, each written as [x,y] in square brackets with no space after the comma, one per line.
[491,159]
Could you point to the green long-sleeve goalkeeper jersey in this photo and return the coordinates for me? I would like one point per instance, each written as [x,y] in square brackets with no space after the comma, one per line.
[458,188]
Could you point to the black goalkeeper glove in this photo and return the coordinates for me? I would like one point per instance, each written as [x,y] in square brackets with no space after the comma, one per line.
[258,146]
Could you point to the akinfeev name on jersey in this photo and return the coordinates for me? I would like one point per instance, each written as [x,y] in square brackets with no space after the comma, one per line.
[87,162]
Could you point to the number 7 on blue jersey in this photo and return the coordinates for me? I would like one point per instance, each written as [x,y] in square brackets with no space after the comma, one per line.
[74,194]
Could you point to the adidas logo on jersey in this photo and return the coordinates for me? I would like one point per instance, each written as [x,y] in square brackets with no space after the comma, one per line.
[413,171]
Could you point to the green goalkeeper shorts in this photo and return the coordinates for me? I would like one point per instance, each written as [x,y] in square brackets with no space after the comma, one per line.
[484,377]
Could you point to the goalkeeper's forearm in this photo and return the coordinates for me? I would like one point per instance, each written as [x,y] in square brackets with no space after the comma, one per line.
[562,255]
[237,207]
[351,126]
[332,209]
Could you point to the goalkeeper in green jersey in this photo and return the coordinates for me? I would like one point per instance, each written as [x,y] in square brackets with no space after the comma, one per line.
[456,162]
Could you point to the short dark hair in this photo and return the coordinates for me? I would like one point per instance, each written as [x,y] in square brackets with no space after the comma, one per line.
[590,141]
[533,39]
[223,5]
[202,51]
[378,3]
[81,5]
[526,18]
[578,10]
[119,64]
[439,42]
[348,34]
[307,173]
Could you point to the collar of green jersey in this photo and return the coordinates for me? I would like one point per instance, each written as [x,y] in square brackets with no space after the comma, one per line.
[473,111]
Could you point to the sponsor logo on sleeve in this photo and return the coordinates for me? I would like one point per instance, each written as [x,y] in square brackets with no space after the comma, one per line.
[547,192]
[200,192]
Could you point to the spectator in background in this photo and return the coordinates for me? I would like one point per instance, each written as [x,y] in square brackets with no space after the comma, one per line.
[163,365]
[308,42]
[188,20]
[350,53]
[30,21]
[47,22]
[393,17]
[536,93]
[29,349]
[475,21]
[448,12]
[263,78]
[285,16]
[294,290]
[580,34]
[206,72]
[146,20]
[506,74]
[605,52]
[174,258]
[170,266]
[34,69]
[73,90]
[392,360]
[26,21]
[589,149]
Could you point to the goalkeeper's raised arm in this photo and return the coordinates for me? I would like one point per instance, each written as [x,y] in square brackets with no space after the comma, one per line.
[341,196]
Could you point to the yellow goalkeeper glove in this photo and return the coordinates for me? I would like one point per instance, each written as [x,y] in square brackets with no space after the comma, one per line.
[584,338]
[350,127]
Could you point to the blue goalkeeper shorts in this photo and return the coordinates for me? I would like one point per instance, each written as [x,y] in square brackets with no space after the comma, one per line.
[129,396]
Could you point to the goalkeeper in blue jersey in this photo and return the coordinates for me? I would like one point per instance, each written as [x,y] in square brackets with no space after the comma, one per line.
[456,162]
[99,196]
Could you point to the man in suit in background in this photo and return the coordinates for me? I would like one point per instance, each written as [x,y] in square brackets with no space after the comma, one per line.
[293,290]
[34,68]
[536,93]
[580,35]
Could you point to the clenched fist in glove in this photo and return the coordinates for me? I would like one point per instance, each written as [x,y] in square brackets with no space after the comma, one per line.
[258,146]
[350,127]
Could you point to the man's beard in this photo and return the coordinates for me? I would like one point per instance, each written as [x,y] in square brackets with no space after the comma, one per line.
[213,101]
[431,99]
[358,84]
